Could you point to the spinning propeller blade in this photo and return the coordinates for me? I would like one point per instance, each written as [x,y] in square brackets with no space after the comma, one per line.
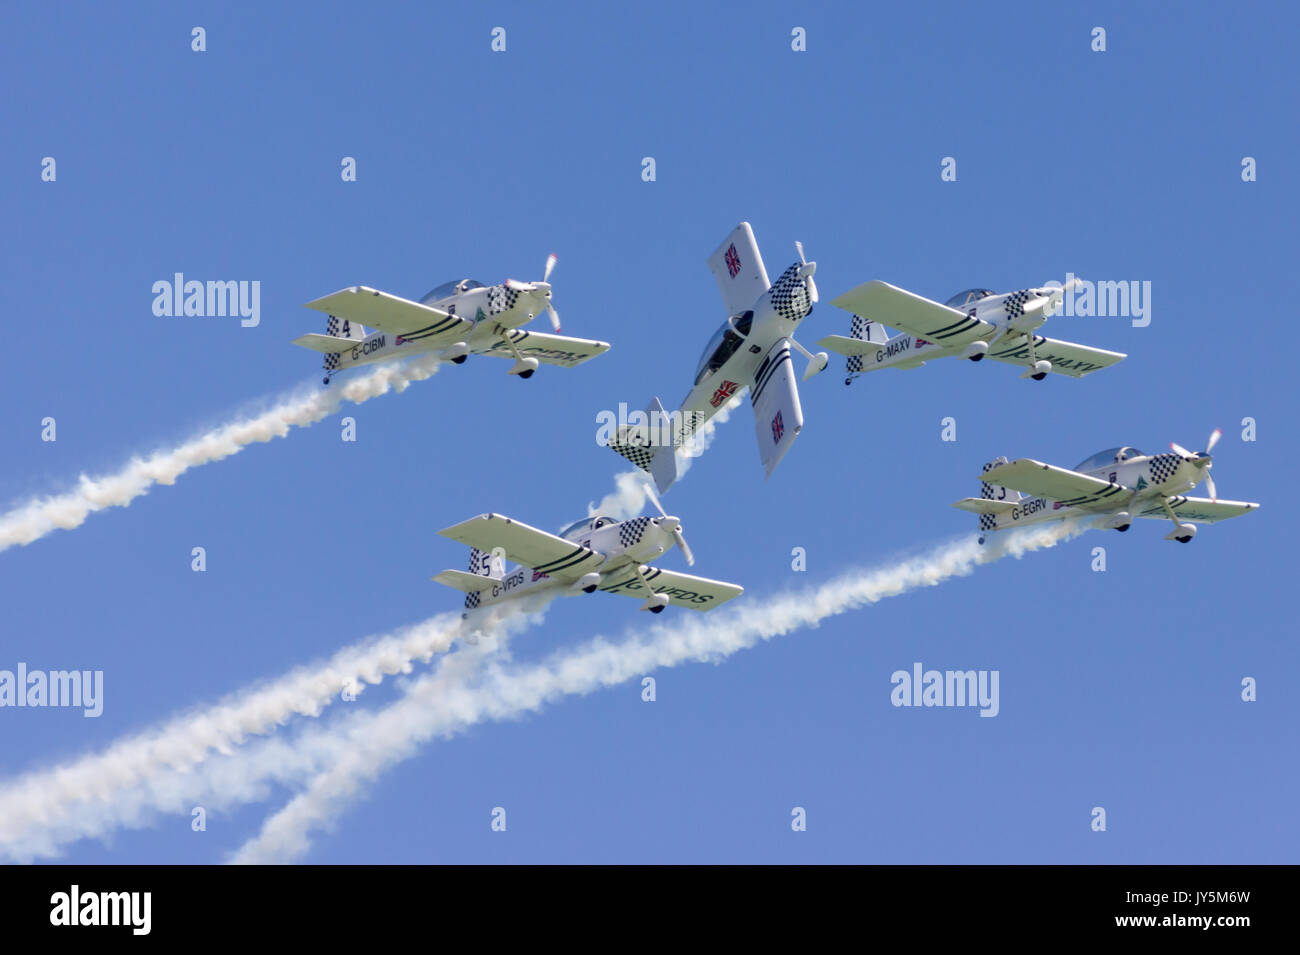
[678,536]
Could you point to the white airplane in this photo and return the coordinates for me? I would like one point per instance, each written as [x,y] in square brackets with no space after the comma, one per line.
[1115,486]
[972,324]
[455,320]
[595,553]
[750,350]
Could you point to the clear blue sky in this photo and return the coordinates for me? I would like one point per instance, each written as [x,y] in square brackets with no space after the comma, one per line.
[1119,689]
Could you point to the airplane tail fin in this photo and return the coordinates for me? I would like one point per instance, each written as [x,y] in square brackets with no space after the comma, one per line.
[651,447]
[485,568]
[341,328]
[994,492]
[864,330]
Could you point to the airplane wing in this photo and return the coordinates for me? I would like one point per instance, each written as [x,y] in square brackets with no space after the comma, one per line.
[526,545]
[1199,509]
[545,347]
[1070,488]
[778,415]
[684,590]
[1066,357]
[397,316]
[738,269]
[918,316]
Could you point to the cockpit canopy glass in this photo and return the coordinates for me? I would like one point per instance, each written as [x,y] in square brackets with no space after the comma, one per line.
[723,344]
[447,289]
[579,526]
[962,299]
[1110,456]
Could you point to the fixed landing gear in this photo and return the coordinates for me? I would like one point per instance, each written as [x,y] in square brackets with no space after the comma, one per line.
[848,381]
[658,608]
[1123,527]
[527,374]
[979,357]
[1184,540]
[325,380]
[1040,376]
[459,359]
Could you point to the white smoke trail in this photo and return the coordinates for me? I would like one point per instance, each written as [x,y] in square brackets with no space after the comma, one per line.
[467,690]
[35,519]
[155,770]
[628,499]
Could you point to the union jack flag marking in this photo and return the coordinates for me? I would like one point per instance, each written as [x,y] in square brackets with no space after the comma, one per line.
[778,428]
[733,260]
[725,391]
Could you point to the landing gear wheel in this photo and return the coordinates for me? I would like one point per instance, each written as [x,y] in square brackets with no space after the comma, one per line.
[1040,376]
[527,374]
[460,360]
[1123,527]
[658,609]
[1183,540]
[325,380]
[979,357]
[589,590]
[848,381]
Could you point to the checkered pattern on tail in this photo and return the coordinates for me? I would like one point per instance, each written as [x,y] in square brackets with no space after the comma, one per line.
[790,295]
[857,329]
[638,454]
[482,562]
[336,327]
[990,492]
[631,532]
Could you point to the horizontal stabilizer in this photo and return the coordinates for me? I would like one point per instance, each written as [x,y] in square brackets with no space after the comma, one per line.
[469,583]
[978,505]
[326,344]
[843,345]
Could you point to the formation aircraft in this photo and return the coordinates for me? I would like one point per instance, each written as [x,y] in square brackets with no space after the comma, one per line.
[1112,486]
[974,324]
[455,320]
[595,553]
[750,350]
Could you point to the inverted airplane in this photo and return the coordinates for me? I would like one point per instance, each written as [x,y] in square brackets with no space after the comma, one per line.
[751,350]
[973,324]
[454,321]
[1113,487]
[595,553]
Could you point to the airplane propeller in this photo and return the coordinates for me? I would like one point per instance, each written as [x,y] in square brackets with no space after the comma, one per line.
[678,536]
[543,286]
[806,270]
[1056,295]
[1202,459]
